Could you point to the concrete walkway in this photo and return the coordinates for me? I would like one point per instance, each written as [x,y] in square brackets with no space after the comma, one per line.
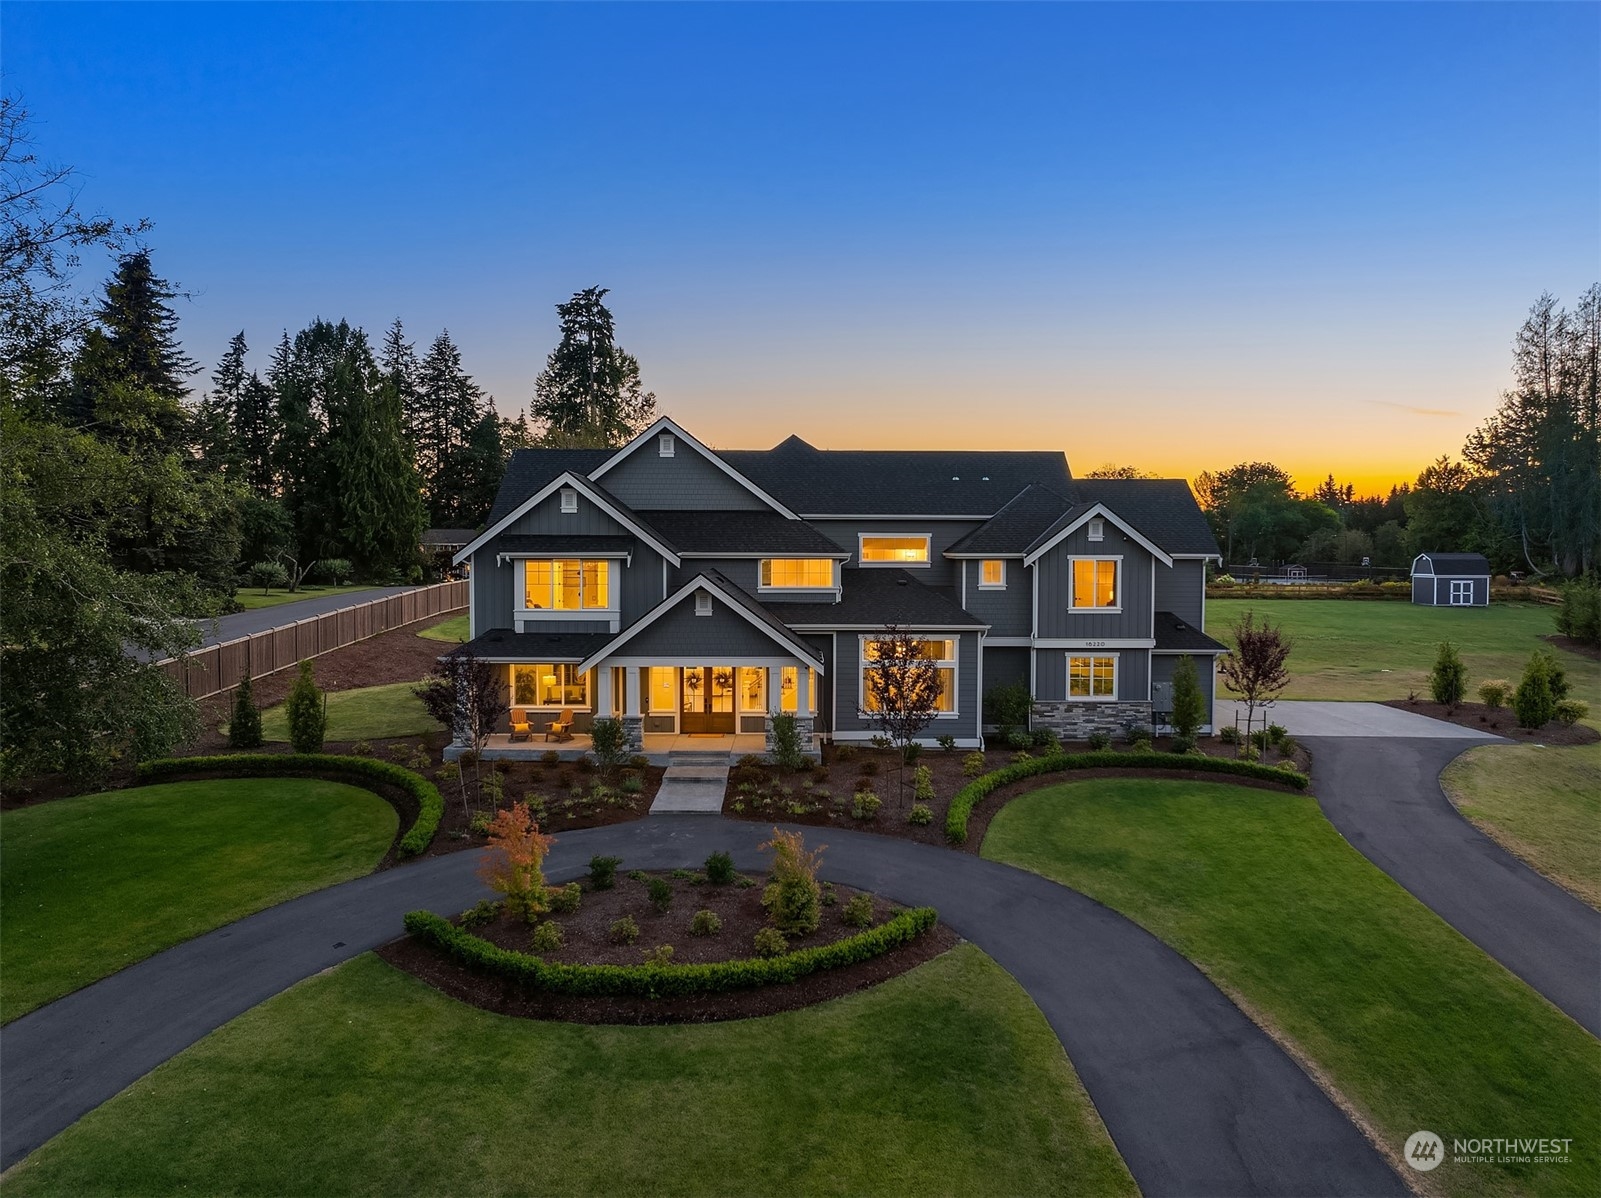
[1384,796]
[1198,1100]
[694,784]
[1303,718]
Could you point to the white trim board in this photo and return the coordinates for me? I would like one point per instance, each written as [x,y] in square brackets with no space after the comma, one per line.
[665,424]
[1101,511]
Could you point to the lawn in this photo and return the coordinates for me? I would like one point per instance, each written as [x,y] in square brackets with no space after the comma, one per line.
[1414,1025]
[946,1080]
[97,882]
[1540,804]
[252,598]
[367,713]
[455,630]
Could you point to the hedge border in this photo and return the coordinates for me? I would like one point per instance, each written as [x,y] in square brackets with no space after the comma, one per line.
[664,981]
[329,766]
[963,802]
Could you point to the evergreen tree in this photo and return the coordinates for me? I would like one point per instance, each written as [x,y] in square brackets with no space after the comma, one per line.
[398,362]
[589,393]
[217,416]
[1189,706]
[306,710]
[255,435]
[244,729]
[1448,681]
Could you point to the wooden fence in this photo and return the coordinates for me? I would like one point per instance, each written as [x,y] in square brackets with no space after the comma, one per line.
[217,668]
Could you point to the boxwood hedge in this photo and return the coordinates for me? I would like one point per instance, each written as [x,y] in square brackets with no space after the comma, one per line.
[963,802]
[664,981]
[329,766]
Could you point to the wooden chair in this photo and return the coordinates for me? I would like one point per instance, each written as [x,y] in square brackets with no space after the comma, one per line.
[560,728]
[521,729]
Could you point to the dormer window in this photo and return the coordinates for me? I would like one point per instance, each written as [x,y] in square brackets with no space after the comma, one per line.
[703,603]
[666,444]
[1097,529]
[569,499]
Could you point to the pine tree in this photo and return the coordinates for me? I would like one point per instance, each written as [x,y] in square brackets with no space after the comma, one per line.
[1189,705]
[307,712]
[244,729]
[217,417]
[255,436]
[589,393]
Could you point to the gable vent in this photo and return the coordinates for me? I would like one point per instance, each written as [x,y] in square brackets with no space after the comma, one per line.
[1097,529]
[666,445]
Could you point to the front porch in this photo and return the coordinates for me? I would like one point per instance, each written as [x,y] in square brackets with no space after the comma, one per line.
[659,747]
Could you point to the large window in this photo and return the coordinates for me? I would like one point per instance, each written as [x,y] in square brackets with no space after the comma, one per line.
[1095,583]
[941,652]
[753,689]
[788,681]
[1091,677]
[663,688]
[567,584]
[797,573]
[894,551]
[554,685]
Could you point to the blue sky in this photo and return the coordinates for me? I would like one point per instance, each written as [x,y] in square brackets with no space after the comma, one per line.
[1179,236]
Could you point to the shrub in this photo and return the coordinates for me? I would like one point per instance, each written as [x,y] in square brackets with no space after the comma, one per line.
[1183,743]
[603,872]
[479,824]
[244,728]
[705,923]
[921,814]
[786,742]
[624,931]
[770,942]
[661,893]
[1008,705]
[333,571]
[547,937]
[796,898]
[638,761]
[564,900]
[609,741]
[1276,733]
[1448,681]
[858,913]
[720,868]
[844,752]
[1046,739]
[1019,738]
[1189,706]
[267,575]
[1580,614]
[550,757]
[632,784]
[1288,746]
[1533,702]
[1260,740]
[868,768]
[1250,753]
[363,748]
[307,710]
[829,897]
[662,954]
[1569,712]
[1136,732]
[1494,692]
[947,743]
[1229,734]
[865,805]
[512,862]
[1557,675]
[1100,740]
[973,764]
[923,784]
[638,875]
[480,913]
[911,752]
[1022,755]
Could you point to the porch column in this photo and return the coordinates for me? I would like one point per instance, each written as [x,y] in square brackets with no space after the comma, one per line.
[775,701]
[804,722]
[603,703]
[633,721]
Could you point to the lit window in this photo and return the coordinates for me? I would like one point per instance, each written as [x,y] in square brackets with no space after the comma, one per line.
[941,652]
[894,551]
[1092,677]
[803,573]
[666,444]
[566,584]
[663,689]
[1097,529]
[992,574]
[569,499]
[1094,582]
[787,676]
[752,689]
[549,685]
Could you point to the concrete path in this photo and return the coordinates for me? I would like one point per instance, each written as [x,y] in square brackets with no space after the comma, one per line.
[1198,1100]
[243,623]
[1384,796]
[694,784]
[1303,718]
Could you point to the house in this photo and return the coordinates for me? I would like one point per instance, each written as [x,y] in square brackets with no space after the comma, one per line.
[697,593]
[1451,580]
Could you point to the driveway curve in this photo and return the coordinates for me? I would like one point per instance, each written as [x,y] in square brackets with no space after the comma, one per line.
[1384,796]
[1196,1097]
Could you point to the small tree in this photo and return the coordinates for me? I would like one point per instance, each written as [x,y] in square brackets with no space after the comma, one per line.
[1189,705]
[903,687]
[1534,703]
[609,740]
[1580,614]
[794,900]
[307,709]
[467,695]
[1255,669]
[244,728]
[786,742]
[267,575]
[1448,681]
[513,862]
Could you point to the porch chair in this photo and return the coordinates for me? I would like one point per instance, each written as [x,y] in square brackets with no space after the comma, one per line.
[521,729]
[560,728]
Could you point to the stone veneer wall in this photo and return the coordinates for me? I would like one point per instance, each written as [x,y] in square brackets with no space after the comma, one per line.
[803,730]
[1076,721]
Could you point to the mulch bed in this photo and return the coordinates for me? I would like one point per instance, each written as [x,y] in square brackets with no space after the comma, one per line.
[586,933]
[1499,720]
[1593,652]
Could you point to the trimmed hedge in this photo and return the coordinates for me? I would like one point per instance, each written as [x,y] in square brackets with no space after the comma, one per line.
[963,802]
[328,766]
[664,981]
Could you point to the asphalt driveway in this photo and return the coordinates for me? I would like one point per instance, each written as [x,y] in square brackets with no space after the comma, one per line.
[243,623]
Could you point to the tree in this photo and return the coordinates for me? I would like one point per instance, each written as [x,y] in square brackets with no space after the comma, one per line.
[902,686]
[1254,669]
[1534,702]
[513,862]
[244,728]
[589,393]
[467,695]
[307,712]
[1113,470]
[1443,513]
[609,741]
[1448,681]
[793,899]
[1189,705]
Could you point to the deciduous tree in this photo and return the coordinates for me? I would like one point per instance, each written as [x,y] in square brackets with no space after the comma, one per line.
[1255,669]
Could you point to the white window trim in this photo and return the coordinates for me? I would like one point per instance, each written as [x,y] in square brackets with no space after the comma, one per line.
[1457,588]
[1067,677]
[1095,530]
[991,586]
[765,588]
[666,445]
[589,688]
[569,500]
[925,537]
[953,662]
[1117,585]
[611,615]
[703,603]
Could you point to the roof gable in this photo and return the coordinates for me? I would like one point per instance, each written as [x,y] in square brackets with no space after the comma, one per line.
[647,442]
[596,495]
[1076,518]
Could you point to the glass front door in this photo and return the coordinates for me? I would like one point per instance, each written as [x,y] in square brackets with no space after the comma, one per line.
[706,701]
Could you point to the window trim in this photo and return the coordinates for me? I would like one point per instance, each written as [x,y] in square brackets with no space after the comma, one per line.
[703,603]
[1095,530]
[928,550]
[610,614]
[589,689]
[953,663]
[666,445]
[1117,585]
[991,586]
[1090,656]
[569,500]
[762,569]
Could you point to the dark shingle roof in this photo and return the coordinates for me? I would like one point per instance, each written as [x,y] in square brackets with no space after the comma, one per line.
[1174,635]
[531,469]
[1017,525]
[876,597]
[561,544]
[1163,509]
[749,603]
[535,646]
[739,532]
[448,538]
[1459,563]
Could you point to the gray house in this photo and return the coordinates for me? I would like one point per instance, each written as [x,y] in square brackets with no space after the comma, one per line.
[1451,580]
[698,593]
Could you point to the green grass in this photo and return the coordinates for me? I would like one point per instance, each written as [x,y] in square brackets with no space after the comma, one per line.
[252,598]
[364,1080]
[1540,804]
[454,630]
[368,713]
[97,882]
[1413,1024]
[1372,649]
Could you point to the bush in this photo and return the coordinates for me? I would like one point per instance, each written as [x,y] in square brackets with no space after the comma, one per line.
[1019,738]
[1189,706]
[307,711]
[786,742]
[333,571]
[638,761]
[482,912]
[868,768]
[244,728]
[1494,692]
[661,893]
[662,954]
[795,904]
[382,777]
[603,872]
[921,814]
[1276,733]
[632,784]
[1229,734]
[1046,739]
[865,805]
[947,743]
[720,868]
[1183,743]
[858,913]
[1569,712]
[564,900]
[1260,740]
[911,752]
[1448,681]
[1250,753]
[1099,741]
[609,741]
[770,943]
[923,784]
[1580,614]
[844,752]
[973,764]
[623,931]
[1288,746]
[1008,705]
[547,937]
[705,923]
[1533,702]
[267,575]
[1138,736]
[550,757]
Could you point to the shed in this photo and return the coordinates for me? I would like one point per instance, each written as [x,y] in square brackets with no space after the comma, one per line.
[1451,580]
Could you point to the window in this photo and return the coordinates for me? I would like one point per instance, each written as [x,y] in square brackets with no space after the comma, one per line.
[569,499]
[1091,677]
[940,652]
[992,574]
[1095,583]
[894,551]
[752,689]
[798,573]
[663,690]
[549,685]
[1097,530]
[1461,592]
[666,445]
[703,603]
[787,677]
[567,584]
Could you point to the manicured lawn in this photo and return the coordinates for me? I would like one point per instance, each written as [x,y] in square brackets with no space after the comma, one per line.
[251,598]
[1414,1025]
[946,1080]
[1541,804]
[1376,649]
[454,630]
[97,882]
[367,713]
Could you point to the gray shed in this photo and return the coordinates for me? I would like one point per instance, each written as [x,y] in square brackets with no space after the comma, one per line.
[1451,580]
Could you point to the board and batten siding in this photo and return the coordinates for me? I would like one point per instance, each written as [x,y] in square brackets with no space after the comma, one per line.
[1133,673]
[1181,589]
[1132,621]
[1008,612]
[1163,665]
[848,676]
[940,572]
[645,480]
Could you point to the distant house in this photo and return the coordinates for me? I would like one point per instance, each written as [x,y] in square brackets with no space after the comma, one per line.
[447,540]
[1451,580]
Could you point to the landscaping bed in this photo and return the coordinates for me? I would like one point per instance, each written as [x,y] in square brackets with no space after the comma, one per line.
[1499,720]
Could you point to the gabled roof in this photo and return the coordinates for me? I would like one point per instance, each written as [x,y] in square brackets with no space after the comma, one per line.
[502,644]
[720,533]
[876,597]
[1076,516]
[530,469]
[1173,635]
[1163,509]
[596,494]
[447,538]
[1015,527]
[666,424]
[564,544]
[1454,563]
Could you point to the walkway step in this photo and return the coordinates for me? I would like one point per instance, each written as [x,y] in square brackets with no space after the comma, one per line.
[694,784]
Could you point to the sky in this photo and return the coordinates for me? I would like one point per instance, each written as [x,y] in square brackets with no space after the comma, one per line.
[1173,236]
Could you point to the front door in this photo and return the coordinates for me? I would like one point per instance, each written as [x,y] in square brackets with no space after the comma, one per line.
[706,704]
[1461,592]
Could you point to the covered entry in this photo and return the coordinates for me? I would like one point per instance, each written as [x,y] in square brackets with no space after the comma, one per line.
[706,701]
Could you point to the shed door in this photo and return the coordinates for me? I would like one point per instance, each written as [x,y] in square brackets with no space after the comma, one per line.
[1461,592]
